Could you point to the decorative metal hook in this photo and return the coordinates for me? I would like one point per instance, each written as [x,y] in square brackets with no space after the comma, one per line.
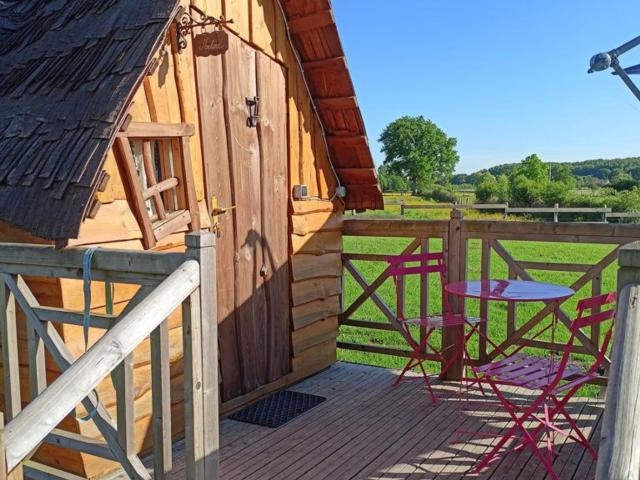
[185,22]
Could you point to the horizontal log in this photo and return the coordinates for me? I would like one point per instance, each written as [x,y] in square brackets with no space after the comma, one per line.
[144,130]
[325,221]
[314,334]
[309,313]
[395,227]
[324,353]
[317,243]
[307,266]
[315,289]
[303,207]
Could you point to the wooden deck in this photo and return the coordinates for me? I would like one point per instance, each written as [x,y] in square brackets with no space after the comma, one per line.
[367,429]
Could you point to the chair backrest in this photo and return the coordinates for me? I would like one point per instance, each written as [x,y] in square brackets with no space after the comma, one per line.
[401,266]
[591,313]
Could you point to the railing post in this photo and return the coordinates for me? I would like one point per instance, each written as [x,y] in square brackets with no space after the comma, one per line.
[555,213]
[10,359]
[201,363]
[618,457]
[456,269]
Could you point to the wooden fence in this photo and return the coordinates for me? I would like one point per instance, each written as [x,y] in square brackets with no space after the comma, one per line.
[455,235]
[604,213]
[167,281]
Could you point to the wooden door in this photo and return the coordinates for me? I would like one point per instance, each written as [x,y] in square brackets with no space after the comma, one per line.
[246,167]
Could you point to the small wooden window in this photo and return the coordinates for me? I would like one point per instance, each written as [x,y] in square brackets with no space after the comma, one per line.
[155,165]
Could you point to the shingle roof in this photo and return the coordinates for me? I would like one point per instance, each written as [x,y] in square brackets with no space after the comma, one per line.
[67,71]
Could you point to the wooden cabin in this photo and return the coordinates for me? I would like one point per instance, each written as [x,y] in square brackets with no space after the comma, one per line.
[127,123]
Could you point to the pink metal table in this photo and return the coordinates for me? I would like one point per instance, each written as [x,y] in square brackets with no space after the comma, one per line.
[510,291]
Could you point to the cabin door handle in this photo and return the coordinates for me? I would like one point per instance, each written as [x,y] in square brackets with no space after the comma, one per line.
[253,104]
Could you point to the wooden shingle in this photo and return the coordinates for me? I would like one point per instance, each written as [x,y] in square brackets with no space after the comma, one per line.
[67,73]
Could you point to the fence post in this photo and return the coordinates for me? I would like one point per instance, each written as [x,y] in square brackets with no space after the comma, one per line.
[555,213]
[201,363]
[402,208]
[456,269]
[604,214]
[618,457]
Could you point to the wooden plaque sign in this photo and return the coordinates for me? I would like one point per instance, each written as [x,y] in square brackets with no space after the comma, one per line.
[211,43]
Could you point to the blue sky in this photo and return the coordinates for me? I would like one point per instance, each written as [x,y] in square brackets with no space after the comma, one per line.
[505,77]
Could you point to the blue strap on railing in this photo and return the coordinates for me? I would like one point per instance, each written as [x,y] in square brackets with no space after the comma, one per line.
[86,321]
[86,278]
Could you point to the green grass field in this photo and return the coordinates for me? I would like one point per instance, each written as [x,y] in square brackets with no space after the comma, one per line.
[528,251]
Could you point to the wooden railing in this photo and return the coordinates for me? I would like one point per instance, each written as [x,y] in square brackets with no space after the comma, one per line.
[167,281]
[456,236]
[619,455]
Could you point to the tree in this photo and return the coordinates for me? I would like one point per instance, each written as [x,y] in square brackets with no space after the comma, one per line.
[416,149]
[534,169]
[560,172]
[486,187]
[490,188]
[524,191]
[391,182]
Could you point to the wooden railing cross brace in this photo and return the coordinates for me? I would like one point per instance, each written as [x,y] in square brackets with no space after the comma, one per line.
[63,358]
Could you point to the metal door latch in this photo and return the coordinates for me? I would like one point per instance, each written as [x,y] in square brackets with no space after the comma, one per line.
[216,211]
[254,111]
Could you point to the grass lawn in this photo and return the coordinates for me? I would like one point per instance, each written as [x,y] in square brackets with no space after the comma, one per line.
[531,251]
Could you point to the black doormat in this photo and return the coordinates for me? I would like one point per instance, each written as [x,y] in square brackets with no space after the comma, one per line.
[278,409]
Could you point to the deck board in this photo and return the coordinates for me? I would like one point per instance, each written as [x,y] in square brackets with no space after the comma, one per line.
[368,429]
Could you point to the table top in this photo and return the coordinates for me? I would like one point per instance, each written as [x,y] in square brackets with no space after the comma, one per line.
[509,290]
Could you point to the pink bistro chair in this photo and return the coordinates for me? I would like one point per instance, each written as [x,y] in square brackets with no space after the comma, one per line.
[401,266]
[556,380]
